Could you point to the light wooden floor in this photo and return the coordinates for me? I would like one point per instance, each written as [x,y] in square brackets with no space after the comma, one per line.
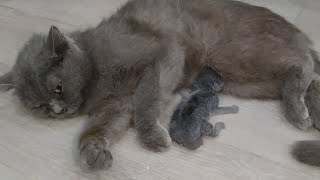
[254,146]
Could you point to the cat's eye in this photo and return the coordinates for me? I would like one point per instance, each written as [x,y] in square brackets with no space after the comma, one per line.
[37,105]
[58,89]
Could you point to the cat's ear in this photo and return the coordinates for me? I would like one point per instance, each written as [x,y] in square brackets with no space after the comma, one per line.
[56,42]
[6,82]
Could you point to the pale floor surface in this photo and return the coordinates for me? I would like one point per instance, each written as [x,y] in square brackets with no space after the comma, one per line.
[254,146]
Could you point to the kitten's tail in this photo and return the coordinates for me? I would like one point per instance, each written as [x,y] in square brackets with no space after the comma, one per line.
[307,152]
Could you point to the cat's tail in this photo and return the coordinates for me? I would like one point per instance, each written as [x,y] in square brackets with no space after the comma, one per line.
[307,152]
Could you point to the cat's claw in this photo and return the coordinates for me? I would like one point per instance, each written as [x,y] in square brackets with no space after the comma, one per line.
[157,139]
[93,154]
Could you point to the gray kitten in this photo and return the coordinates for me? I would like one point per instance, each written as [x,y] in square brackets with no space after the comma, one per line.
[128,67]
[190,120]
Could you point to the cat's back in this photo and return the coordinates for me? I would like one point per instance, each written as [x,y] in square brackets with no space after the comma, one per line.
[208,30]
[178,14]
[204,22]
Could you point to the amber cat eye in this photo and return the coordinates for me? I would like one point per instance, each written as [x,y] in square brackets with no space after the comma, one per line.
[58,89]
[37,105]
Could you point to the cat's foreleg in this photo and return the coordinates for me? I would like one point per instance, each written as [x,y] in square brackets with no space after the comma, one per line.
[147,100]
[104,129]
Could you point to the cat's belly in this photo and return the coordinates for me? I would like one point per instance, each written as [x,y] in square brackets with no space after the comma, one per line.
[236,68]
[257,90]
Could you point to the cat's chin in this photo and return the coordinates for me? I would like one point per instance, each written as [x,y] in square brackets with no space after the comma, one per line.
[62,116]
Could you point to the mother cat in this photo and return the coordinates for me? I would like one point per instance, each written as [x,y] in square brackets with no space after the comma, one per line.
[128,67]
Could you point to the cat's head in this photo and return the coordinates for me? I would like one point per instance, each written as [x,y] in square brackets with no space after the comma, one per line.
[50,76]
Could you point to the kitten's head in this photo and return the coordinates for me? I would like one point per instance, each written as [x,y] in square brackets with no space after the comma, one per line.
[50,75]
[208,79]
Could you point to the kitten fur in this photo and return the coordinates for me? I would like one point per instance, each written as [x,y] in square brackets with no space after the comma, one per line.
[127,68]
[190,120]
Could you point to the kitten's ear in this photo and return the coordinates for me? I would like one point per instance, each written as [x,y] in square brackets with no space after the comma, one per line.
[56,42]
[6,82]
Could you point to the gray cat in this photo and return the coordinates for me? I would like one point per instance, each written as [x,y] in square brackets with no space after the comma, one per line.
[128,67]
[190,120]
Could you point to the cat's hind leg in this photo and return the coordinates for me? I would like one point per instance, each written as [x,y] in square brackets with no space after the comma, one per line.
[295,85]
[312,101]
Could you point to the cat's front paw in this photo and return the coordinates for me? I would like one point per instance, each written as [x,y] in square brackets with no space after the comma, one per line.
[94,155]
[156,139]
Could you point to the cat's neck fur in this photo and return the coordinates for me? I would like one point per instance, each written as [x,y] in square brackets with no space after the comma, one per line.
[110,77]
[82,39]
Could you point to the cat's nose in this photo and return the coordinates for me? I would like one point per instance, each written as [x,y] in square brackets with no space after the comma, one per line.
[64,110]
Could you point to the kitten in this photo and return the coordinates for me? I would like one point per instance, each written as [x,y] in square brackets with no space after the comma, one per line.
[128,67]
[190,120]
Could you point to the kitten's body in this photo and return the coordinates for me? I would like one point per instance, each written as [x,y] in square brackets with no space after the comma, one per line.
[190,120]
[129,65]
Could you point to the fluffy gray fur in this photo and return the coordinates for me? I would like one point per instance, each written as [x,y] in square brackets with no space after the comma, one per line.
[128,67]
[190,120]
[307,152]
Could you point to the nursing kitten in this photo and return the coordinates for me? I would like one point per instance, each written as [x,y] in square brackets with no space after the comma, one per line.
[190,120]
[128,67]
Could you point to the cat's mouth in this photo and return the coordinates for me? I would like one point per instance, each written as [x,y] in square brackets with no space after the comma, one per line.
[62,116]
[61,110]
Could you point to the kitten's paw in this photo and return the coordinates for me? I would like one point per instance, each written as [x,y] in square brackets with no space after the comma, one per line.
[217,128]
[234,109]
[157,139]
[94,155]
[194,144]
